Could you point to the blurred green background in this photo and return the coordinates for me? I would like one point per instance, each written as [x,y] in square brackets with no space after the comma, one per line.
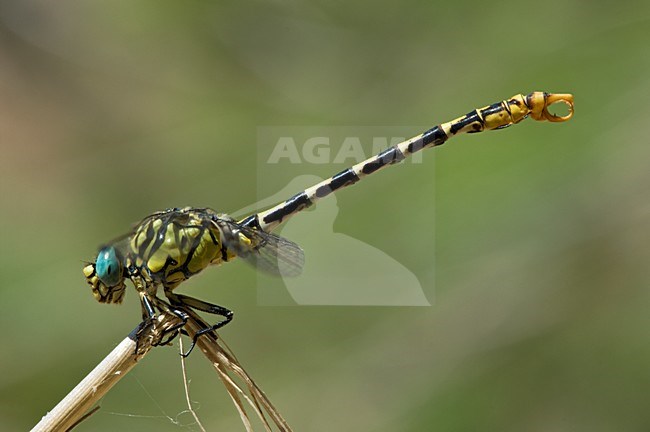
[538,269]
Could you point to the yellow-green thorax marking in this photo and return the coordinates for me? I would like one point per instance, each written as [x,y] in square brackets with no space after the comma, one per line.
[165,249]
[172,246]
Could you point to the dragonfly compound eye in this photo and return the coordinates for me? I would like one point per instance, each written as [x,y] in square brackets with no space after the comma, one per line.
[108,267]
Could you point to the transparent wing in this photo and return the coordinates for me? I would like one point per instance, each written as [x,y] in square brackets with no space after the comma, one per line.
[267,252]
[121,243]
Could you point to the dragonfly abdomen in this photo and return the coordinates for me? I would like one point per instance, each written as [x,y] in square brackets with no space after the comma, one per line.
[496,116]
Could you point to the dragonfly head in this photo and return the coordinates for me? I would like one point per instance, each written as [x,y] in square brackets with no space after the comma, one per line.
[106,276]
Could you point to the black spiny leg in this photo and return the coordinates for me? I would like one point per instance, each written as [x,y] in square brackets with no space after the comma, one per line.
[150,316]
[175,329]
[148,312]
[192,303]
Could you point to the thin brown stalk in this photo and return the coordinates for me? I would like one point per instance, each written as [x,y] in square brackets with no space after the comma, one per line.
[226,365]
[187,388]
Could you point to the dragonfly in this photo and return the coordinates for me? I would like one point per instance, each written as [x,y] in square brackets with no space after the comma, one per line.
[168,247]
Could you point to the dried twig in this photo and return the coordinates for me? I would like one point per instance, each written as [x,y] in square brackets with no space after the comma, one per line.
[73,408]
[224,363]
[76,406]
[186,386]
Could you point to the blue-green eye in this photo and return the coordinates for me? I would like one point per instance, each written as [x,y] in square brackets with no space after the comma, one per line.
[108,267]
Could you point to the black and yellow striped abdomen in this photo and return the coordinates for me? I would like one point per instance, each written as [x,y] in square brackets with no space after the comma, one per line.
[496,116]
[172,245]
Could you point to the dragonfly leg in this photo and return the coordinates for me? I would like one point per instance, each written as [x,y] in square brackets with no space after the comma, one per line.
[175,329]
[150,318]
[148,311]
[193,303]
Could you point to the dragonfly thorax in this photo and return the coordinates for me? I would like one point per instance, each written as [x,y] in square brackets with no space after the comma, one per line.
[173,245]
[170,246]
[165,248]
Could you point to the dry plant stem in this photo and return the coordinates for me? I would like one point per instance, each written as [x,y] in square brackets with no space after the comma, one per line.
[71,409]
[223,362]
[187,389]
[92,388]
